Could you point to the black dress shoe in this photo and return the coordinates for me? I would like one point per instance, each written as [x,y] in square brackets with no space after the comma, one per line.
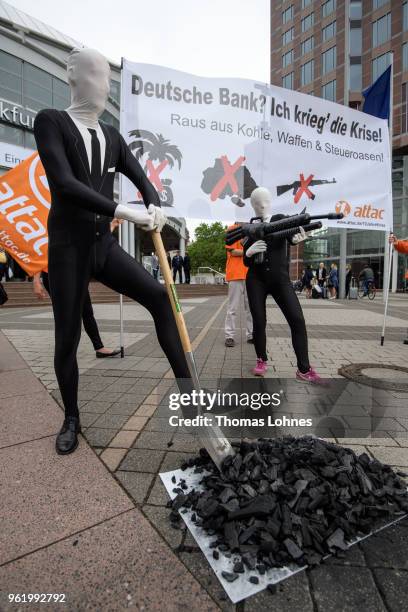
[67,439]
[111,354]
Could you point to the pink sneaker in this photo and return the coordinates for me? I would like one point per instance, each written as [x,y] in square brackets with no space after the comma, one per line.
[260,368]
[311,376]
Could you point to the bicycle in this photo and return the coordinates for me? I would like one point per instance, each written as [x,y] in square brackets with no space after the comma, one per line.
[370,291]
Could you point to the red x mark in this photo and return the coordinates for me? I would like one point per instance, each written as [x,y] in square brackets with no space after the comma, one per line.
[153,174]
[228,178]
[304,188]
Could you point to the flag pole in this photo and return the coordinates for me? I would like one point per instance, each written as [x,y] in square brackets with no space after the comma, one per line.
[387,276]
[121,341]
[122,345]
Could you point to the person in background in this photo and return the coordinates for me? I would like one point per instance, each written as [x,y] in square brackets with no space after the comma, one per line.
[348,279]
[399,245]
[187,268]
[321,274]
[155,266]
[177,265]
[367,276]
[307,281]
[41,287]
[333,282]
[317,290]
[235,275]
[169,259]
[402,247]
[3,264]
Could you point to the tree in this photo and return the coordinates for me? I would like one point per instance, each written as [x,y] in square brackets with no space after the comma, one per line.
[208,248]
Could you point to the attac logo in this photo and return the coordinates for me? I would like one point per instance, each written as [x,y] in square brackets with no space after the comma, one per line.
[343,207]
[24,206]
[360,212]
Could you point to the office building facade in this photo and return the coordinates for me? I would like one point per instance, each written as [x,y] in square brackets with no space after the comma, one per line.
[335,49]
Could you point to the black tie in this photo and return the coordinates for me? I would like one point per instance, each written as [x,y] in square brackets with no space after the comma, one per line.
[96,160]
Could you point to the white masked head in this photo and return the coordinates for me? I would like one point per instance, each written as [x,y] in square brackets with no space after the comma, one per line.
[261,202]
[89,80]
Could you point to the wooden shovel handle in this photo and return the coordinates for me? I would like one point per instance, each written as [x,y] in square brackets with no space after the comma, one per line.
[171,290]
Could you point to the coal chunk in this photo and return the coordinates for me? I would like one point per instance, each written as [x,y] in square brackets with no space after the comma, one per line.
[229,576]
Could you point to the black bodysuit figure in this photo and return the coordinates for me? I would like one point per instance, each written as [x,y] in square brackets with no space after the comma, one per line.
[271,277]
[81,245]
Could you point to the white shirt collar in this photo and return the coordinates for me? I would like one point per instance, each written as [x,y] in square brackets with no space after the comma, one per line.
[87,138]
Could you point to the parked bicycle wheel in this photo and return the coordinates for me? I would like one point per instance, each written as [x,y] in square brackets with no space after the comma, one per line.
[361,290]
[371,291]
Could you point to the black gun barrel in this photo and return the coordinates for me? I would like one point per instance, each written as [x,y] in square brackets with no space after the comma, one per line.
[327,216]
[287,233]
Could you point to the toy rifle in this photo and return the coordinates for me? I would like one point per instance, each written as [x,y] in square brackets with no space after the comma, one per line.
[280,189]
[283,228]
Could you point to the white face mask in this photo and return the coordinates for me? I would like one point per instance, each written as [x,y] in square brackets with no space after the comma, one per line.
[89,80]
[261,202]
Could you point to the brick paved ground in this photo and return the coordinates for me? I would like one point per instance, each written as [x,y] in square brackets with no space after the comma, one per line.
[124,419]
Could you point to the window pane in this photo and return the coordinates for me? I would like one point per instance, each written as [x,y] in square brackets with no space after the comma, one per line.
[37,87]
[61,95]
[287,15]
[10,134]
[405,56]
[307,73]
[287,59]
[380,64]
[404,114]
[378,3]
[287,81]
[405,16]
[306,3]
[329,91]
[307,22]
[329,60]
[355,41]
[115,90]
[307,45]
[355,10]
[29,141]
[329,31]
[287,36]
[328,7]
[108,118]
[382,30]
[10,78]
[356,78]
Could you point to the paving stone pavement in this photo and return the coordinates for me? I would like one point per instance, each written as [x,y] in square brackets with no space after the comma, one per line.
[125,419]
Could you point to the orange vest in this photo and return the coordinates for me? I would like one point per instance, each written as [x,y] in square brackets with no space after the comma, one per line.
[235,268]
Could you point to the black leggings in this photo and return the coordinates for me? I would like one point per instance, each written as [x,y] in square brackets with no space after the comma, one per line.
[285,297]
[70,268]
[88,319]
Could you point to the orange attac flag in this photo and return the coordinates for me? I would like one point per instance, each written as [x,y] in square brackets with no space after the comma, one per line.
[24,206]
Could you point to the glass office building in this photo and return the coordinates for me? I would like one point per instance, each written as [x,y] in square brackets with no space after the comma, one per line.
[33,76]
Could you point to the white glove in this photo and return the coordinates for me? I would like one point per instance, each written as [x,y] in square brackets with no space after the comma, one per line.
[142,218]
[159,218]
[300,237]
[258,247]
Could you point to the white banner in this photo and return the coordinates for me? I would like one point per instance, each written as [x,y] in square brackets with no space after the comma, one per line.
[207,143]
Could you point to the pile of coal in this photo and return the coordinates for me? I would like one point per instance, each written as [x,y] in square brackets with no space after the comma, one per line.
[288,500]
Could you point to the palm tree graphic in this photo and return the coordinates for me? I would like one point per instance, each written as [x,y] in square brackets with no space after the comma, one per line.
[156,148]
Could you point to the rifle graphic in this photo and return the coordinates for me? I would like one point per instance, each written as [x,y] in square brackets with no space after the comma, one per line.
[280,189]
[284,228]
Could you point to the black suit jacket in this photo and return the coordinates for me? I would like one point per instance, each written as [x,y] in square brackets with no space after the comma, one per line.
[177,262]
[80,210]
